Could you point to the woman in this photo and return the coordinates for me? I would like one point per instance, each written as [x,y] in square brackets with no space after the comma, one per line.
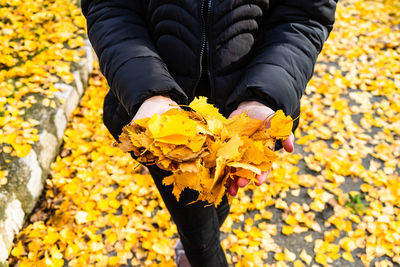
[255,56]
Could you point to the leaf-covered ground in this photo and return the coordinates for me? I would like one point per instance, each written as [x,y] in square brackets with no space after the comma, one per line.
[39,41]
[336,201]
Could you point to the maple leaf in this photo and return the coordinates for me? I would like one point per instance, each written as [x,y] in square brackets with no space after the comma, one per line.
[172,129]
[242,124]
[281,125]
[199,104]
[254,152]
[230,149]
[245,166]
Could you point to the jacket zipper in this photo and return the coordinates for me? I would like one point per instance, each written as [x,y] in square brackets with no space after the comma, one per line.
[208,52]
[204,41]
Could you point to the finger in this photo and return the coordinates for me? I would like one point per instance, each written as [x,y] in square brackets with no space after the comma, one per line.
[262,178]
[242,182]
[233,188]
[288,144]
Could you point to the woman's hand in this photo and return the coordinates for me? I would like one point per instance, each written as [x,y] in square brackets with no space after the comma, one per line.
[256,110]
[156,104]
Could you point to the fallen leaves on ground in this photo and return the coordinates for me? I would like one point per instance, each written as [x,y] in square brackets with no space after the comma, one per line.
[333,202]
[104,211]
[38,42]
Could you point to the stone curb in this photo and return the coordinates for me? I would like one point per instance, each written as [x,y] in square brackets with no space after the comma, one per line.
[26,176]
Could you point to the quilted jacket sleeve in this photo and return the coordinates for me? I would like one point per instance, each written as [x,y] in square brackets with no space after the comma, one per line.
[284,60]
[127,56]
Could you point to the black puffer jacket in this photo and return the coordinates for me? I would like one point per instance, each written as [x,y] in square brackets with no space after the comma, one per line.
[262,50]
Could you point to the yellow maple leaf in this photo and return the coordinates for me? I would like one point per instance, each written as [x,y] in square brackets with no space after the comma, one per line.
[208,111]
[287,230]
[242,124]
[254,152]
[163,126]
[230,149]
[18,250]
[305,257]
[347,256]
[245,166]
[281,125]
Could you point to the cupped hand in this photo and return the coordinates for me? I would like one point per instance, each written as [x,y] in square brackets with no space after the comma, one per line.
[256,110]
[156,104]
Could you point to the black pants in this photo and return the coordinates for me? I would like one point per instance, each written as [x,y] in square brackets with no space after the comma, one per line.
[198,226]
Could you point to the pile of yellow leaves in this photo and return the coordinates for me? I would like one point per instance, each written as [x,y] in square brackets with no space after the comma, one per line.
[38,42]
[203,149]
